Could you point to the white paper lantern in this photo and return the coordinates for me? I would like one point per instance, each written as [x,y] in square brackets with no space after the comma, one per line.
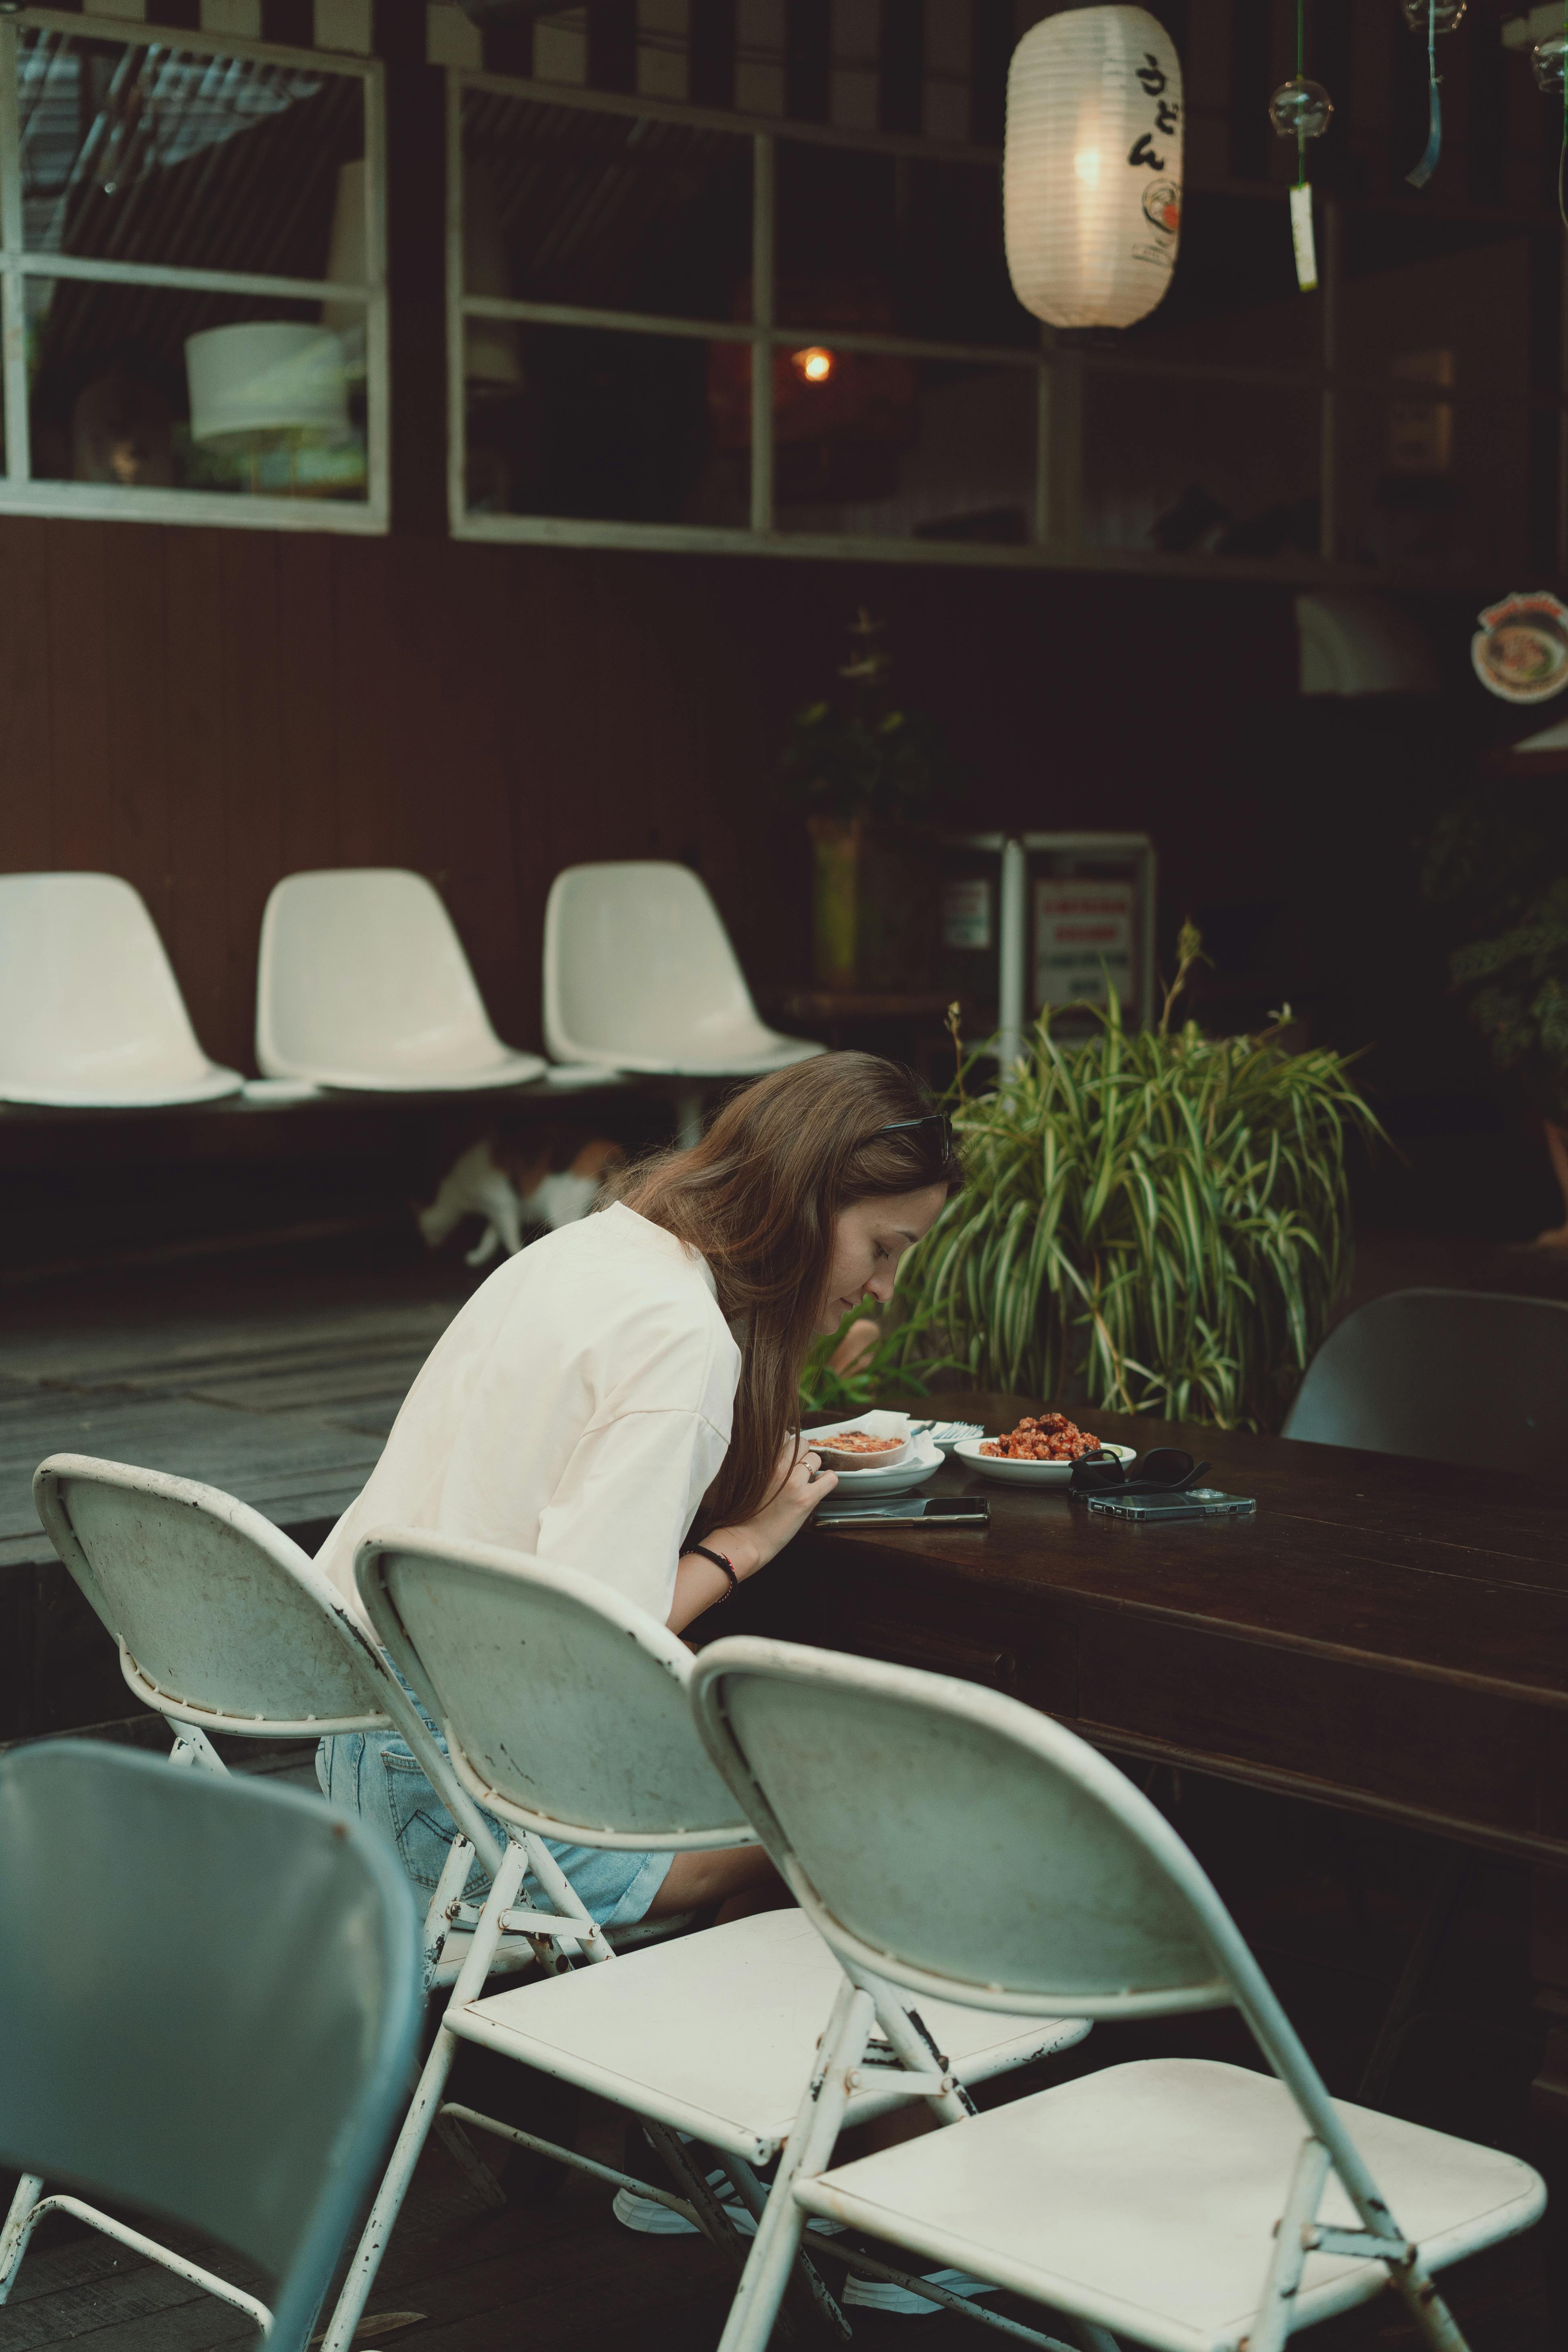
[1092,174]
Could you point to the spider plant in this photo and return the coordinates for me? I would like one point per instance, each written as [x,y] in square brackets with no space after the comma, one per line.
[1156,1221]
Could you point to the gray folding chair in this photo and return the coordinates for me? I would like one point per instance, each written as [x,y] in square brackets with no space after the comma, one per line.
[224,1624]
[1194,2205]
[209,1994]
[1468,1376]
[566,1714]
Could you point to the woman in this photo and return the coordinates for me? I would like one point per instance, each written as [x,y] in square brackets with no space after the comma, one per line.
[590,1404]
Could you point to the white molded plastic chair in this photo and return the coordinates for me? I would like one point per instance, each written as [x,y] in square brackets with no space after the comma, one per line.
[91,1012]
[564,1710]
[639,975]
[1144,2197]
[363,984]
[208,1999]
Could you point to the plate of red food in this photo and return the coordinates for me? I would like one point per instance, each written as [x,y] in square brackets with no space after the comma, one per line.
[1041,1452]
[877,1451]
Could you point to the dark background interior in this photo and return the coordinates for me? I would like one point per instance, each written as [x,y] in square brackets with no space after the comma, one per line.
[203,710]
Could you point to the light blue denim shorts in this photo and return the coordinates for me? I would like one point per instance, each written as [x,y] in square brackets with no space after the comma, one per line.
[376,1775]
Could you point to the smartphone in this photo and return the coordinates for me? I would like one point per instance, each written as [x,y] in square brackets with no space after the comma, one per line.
[906,1511]
[1195,1503]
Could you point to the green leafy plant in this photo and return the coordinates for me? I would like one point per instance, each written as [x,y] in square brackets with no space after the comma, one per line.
[861,753]
[894,1366]
[1155,1222]
[1518,988]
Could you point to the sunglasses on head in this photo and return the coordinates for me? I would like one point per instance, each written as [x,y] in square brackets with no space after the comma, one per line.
[936,1119]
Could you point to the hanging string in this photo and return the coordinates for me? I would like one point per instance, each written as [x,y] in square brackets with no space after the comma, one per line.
[1563,151]
[1428,163]
[1301,76]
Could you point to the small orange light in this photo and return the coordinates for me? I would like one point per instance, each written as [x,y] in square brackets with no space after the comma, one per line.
[814,365]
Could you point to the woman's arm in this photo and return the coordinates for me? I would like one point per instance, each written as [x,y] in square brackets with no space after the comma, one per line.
[698,1585]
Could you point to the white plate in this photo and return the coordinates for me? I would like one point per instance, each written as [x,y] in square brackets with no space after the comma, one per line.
[920,1462]
[1008,1473]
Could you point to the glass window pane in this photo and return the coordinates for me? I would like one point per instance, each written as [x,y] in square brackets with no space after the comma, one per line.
[895,242]
[1189,467]
[624,428]
[891,448]
[155,388]
[612,211]
[152,153]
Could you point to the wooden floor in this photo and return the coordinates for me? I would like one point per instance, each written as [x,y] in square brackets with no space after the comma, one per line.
[280,1384]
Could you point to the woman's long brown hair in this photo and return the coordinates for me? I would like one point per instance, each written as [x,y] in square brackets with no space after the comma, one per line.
[758,1197]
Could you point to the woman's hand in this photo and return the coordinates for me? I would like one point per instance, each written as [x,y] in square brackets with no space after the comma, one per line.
[698,1585]
[758,1539]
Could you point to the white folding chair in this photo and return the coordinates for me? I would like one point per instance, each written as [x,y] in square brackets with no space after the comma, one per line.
[565,1711]
[363,984]
[91,1012]
[1195,2206]
[224,1625]
[639,974]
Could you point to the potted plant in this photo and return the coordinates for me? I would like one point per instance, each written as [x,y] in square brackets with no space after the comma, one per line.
[1155,1222]
[856,759]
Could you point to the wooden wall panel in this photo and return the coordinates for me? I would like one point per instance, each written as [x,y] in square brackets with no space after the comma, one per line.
[307,707]
[76,604]
[135,835]
[207,710]
[254,687]
[200,791]
[27,771]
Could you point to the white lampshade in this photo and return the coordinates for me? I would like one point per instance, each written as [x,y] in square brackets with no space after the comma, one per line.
[252,380]
[1092,173]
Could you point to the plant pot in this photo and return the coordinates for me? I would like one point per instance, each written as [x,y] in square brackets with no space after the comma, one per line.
[836,845]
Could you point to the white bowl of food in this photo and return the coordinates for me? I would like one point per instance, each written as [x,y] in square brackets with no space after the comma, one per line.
[885,1457]
[1041,1452]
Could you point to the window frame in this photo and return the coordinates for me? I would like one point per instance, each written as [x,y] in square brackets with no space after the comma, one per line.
[20,492]
[1061,364]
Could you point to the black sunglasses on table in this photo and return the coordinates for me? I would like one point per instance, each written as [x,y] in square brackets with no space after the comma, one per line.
[1164,1470]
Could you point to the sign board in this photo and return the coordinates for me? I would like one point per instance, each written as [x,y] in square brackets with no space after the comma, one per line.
[1084,934]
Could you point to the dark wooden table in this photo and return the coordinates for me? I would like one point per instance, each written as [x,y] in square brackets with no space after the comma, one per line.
[1385,1636]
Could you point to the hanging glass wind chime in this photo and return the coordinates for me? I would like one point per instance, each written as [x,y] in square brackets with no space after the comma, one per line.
[1301,109]
[1549,64]
[1432,17]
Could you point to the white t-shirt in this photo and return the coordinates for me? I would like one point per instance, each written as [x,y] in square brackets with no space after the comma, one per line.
[577,1408]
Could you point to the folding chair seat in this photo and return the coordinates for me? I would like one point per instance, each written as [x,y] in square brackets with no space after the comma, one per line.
[1195,2206]
[90,1012]
[1145,2197]
[564,1710]
[363,984]
[718,2033]
[219,2027]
